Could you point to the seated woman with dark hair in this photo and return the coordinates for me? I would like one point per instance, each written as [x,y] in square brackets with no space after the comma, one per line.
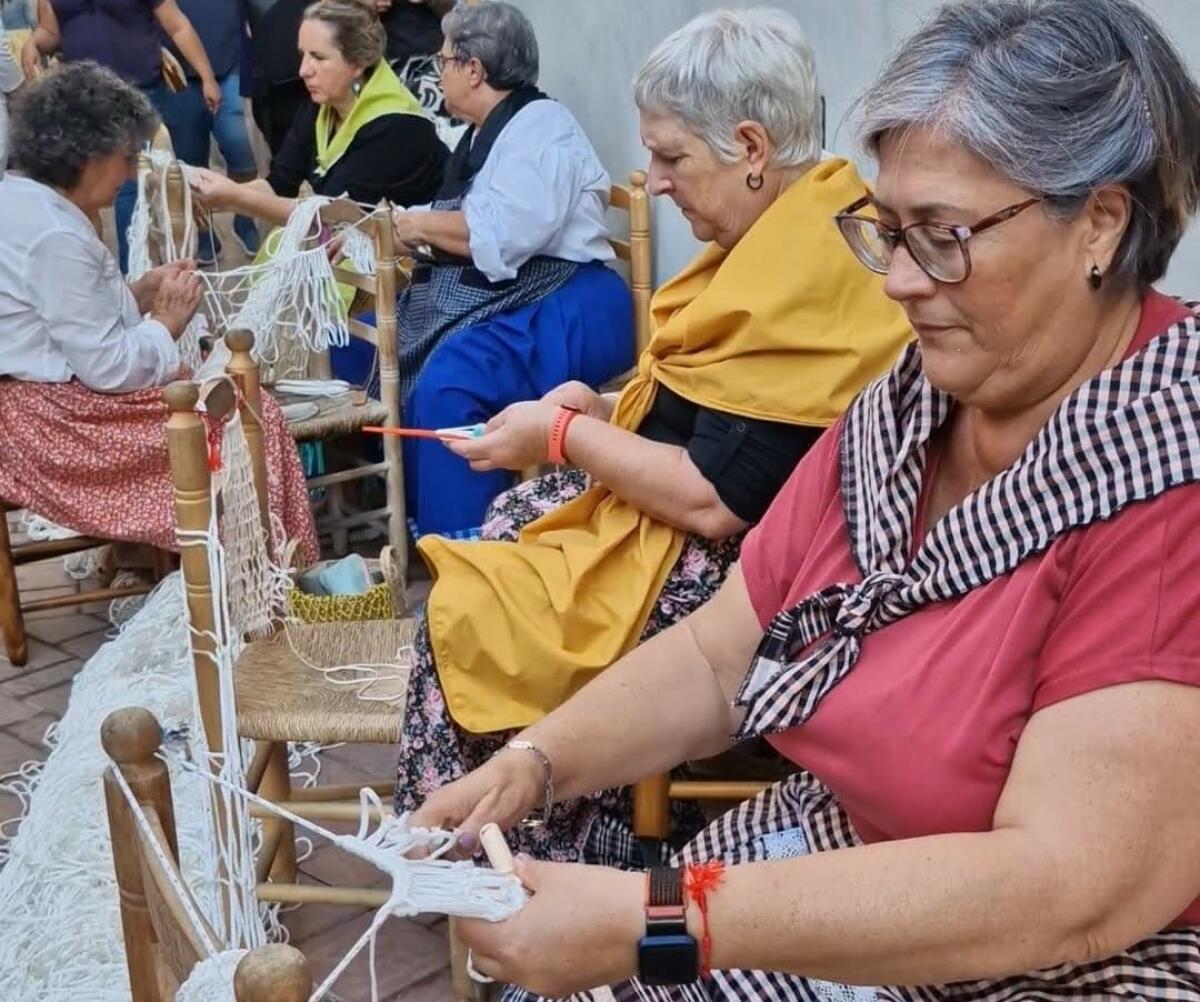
[511,296]
[363,135]
[85,354]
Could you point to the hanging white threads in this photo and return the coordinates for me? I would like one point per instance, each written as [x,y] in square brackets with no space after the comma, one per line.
[212,979]
[138,234]
[427,885]
[359,250]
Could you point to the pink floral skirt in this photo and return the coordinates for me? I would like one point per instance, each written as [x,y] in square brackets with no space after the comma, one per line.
[97,463]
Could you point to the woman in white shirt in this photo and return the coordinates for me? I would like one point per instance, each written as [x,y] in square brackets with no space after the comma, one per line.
[511,297]
[83,355]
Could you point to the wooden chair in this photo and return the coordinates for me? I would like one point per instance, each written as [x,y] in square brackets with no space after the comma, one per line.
[162,943]
[12,608]
[347,414]
[637,251]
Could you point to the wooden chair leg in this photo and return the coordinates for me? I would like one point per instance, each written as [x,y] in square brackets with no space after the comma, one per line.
[652,807]
[277,785]
[465,988]
[12,625]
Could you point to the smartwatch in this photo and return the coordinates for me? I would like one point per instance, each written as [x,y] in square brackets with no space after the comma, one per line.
[667,955]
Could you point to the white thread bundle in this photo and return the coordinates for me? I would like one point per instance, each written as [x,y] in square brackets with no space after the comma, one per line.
[41,529]
[212,979]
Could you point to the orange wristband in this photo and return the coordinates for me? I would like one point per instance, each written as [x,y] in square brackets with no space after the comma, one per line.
[558,435]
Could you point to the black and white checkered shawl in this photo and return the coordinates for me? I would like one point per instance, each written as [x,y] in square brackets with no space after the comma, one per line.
[1127,435]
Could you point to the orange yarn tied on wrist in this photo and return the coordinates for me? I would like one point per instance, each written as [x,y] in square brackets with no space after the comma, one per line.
[698,880]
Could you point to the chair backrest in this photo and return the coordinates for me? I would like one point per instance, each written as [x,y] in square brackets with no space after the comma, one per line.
[187,448]
[162,941]
[638,251]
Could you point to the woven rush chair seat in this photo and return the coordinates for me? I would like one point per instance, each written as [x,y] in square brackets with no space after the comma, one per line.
[339,415]
[280,698]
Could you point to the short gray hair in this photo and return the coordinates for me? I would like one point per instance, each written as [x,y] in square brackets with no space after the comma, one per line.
[74,114]
[731,66]
[1062,97]
[500,37]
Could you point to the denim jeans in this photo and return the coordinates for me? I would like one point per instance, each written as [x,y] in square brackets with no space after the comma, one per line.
[191,124]
[127,194]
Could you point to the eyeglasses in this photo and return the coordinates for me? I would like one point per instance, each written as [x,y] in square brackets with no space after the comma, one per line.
[939,249]
[440,61]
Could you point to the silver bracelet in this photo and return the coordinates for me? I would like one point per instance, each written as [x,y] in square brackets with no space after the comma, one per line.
[547,772]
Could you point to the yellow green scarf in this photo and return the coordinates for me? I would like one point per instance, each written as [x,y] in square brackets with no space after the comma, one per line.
[383,94]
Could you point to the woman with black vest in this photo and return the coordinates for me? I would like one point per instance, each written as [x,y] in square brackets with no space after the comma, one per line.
[511,296]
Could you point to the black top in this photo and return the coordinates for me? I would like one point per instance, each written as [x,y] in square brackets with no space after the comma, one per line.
[398,157]
[747,461]
[412,30]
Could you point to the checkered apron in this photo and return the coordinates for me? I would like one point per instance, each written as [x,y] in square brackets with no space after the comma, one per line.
[1128,435]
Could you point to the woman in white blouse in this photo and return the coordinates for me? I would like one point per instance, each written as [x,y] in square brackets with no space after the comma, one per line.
[83,354]
[511,297]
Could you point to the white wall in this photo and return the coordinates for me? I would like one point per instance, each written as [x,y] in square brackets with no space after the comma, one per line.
[592,48]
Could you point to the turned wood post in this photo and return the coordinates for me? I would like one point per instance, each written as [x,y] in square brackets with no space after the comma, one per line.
[244,371]
[641,263]
[389,385]
[187,445]
[131,739]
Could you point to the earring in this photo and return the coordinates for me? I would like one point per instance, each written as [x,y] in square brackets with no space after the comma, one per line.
[356,87]
[754,181]
[1095,279]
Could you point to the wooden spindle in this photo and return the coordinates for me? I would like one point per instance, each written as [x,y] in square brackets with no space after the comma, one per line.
[274,973]
[176,185]
[641,265]
[131,738]
[187,445]
[244,371]
[389,388]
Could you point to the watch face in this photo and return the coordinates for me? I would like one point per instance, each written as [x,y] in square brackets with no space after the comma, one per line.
[668,960]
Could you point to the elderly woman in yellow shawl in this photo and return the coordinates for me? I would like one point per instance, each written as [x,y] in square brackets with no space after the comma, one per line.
[759,344]
[364,135]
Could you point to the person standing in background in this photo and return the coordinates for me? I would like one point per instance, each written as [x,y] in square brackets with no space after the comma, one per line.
[221,25]
[414,37]
[11,79]
[122,35]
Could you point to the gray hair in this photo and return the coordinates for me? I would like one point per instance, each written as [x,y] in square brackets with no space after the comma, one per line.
[74,114]
[1062,97]
[500,37]
[731,66]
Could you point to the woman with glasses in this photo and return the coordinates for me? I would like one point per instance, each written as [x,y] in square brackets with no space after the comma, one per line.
[970,618]
[84,354]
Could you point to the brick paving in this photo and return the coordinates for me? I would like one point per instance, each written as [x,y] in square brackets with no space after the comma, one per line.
[412,961]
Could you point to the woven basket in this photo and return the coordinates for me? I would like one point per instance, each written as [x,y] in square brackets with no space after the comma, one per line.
[379,602]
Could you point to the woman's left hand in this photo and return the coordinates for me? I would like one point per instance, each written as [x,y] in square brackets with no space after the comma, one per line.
[216,191]
[146,288]
[515,438]
[212,95]
[579,930]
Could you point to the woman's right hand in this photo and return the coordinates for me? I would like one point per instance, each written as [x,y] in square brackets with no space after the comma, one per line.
[581,397]
[31,60]
[504,790]
[176,301]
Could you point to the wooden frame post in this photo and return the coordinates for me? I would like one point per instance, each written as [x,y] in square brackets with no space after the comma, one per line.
[244,371]
[187,445]
[12,623]
[389,390]
[641,264]
[131,738]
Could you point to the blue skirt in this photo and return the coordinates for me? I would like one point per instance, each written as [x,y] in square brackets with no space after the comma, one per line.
[583,331]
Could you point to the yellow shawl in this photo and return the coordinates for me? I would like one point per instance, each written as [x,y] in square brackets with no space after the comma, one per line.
[787,326]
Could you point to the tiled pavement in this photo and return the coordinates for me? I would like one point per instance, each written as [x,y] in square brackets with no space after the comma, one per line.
[412,959]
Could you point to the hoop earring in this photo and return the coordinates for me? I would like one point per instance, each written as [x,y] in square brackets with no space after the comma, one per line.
[1095,279]
[754,181]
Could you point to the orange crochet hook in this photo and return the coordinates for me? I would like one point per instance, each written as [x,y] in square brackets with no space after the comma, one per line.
[439,434]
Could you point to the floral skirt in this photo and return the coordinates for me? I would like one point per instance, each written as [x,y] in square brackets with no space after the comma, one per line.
[97,463]
[434,751]
[800,816]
